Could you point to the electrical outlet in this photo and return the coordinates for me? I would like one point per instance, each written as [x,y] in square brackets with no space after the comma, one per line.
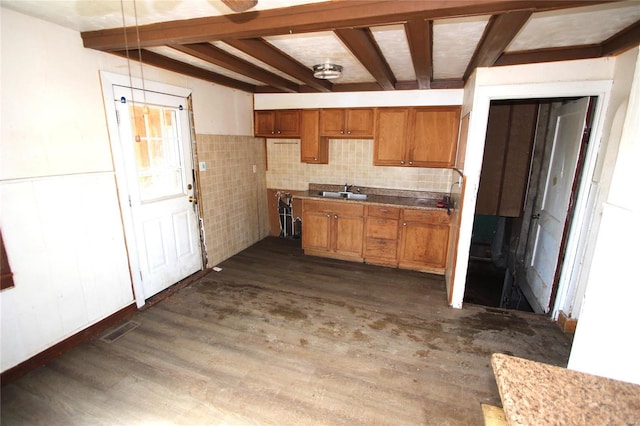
[255,168]
[202,166]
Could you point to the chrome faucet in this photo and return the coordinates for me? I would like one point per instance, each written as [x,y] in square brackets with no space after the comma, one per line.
[346,187]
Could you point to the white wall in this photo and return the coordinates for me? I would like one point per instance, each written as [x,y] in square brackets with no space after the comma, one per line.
[59,212]
[358,99]
[605,341]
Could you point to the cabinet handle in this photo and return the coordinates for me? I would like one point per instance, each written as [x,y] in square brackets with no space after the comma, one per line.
[410,162]
[328,215]
[402,162]
[278,132]
[404,224]
[349,132]
[335,217]
[273,133]
[315,158]
[342,132]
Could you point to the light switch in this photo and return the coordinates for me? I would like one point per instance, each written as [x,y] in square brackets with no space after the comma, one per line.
[255,168]
[202,166]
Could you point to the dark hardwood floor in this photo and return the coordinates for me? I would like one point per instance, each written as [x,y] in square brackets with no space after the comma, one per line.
[285,339]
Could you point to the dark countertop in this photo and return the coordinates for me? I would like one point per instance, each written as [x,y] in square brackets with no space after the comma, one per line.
[426,202]
[534,393]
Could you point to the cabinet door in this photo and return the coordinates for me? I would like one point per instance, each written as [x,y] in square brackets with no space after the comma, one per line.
[287,123]
[359,122]
[265,123]
[316,229]
[313,148]
[424,246]
[348,234]
[434,136]
[390,136]
[332,122]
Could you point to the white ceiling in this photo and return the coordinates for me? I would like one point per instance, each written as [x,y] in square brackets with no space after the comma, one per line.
[454,40]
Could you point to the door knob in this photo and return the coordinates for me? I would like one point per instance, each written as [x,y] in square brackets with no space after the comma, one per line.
[192,199]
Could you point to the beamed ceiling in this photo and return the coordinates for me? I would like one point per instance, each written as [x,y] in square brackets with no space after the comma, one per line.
[382,45]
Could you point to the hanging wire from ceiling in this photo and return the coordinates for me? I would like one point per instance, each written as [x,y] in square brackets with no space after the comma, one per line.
[126,49]
[145,108]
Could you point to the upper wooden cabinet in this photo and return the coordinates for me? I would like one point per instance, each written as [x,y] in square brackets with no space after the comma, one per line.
[416,136]
[433,136]
[277,123]
[313,148]
[347,123]
[390,136]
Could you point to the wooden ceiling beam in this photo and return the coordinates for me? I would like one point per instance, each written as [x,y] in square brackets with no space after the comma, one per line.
[160,61]
[214,55]
[356,87]
[555,54]
[499,32]
[447,83]
[420,37]
[624,40]
[270,55]
[364,47]
[310,17]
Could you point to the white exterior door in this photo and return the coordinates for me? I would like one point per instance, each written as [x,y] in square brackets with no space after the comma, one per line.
[155,142]
[556,192]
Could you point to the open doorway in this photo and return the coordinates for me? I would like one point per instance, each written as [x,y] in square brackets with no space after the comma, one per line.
[531,167]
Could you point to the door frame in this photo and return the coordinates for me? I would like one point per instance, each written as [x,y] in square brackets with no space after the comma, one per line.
[108,80]
[479,107]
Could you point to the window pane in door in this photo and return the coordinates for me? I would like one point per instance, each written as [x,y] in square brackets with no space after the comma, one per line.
[158,160]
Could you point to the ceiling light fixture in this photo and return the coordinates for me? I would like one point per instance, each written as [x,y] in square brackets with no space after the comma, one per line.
[327,71]
[240,5]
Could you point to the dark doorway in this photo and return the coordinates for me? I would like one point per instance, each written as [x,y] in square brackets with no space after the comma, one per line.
[518,160]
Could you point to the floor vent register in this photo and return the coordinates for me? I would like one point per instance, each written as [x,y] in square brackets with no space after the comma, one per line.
[120,331]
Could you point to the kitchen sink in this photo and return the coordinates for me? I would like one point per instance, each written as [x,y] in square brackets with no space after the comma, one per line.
[347,195]
[354,196]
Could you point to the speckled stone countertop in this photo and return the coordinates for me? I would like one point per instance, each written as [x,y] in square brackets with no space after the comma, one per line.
[397,198]
[539,394]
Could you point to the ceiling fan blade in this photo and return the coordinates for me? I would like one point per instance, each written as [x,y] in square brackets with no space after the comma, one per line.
[240,5]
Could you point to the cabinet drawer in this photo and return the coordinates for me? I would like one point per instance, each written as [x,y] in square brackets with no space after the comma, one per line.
[383,211]
[382,228]
[316,206]
[426,216]
[380,248]
[341,208]
[348,209]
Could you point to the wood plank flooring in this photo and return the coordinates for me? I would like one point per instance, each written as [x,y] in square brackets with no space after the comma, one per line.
[281,338]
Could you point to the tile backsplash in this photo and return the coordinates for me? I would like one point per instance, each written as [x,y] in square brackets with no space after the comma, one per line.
[350,161]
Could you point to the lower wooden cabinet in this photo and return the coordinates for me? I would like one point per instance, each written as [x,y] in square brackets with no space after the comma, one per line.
[381,235]
[378,234]
[333,229]
[424,240]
